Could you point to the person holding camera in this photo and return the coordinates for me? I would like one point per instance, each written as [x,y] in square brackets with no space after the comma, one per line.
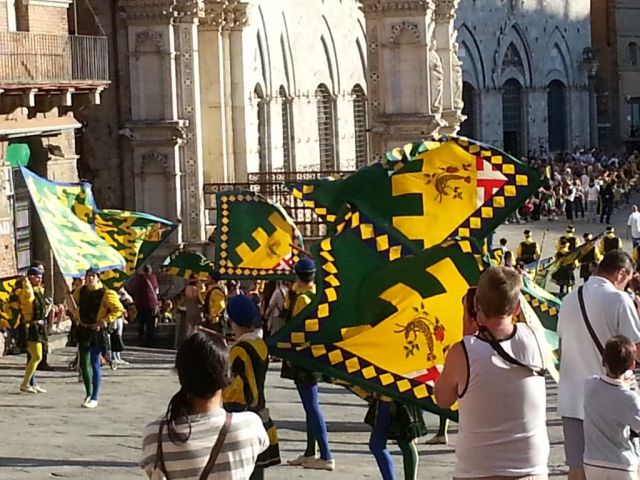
[496,374]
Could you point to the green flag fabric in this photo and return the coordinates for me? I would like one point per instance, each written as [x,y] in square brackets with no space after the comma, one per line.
[9,308]
[115,242]
[66,211]
[255,238]
[184,263]
[429,191]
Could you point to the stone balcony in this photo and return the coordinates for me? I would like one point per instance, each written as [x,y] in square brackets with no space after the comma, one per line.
[57,65]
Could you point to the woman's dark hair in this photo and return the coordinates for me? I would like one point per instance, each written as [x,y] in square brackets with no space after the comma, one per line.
[202,364]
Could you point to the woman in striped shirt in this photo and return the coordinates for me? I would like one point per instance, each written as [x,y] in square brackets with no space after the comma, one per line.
[195,417]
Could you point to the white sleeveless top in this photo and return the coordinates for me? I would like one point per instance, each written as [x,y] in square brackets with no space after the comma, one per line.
[502,429]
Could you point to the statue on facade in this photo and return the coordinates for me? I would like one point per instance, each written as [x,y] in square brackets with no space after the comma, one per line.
[458,103]
[436,80]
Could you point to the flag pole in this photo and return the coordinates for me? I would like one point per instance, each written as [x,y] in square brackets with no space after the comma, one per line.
[298,249]
[544,235]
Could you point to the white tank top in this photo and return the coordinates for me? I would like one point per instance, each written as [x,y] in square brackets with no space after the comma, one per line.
[502,429]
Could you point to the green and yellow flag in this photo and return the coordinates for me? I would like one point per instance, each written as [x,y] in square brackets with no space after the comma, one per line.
[255,238]
[134,235]
[9,308]
[67,211]
[430,191]
[82,236]
[184,263]
[384,316]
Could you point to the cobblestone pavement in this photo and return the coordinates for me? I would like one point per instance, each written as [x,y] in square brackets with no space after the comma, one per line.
[49,436]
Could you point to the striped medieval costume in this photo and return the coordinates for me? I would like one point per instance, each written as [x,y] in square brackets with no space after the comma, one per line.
[249,359]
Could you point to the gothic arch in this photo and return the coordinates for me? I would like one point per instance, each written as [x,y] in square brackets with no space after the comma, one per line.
[363,59]
[559,63]
[148,41]
[473,69]
[331,53]
[405,32]
[287,56]
[513,57]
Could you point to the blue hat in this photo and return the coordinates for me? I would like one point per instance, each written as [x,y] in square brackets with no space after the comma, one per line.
[305,265]
[243,311]
[214,274]
[35,271]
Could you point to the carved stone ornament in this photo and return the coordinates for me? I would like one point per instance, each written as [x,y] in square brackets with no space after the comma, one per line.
[172,10]
[148,41]
[405,32]
[154,162]
[399,6]
[436,79]
[213,14]
[445,10]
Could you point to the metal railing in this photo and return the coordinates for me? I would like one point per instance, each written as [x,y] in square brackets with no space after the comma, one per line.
[273,185]
[36,58]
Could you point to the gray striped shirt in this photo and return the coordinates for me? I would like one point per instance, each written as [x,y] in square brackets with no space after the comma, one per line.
[246,439]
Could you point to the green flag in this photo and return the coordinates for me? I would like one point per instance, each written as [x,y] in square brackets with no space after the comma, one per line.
[255,238]
[9,308]
[184,263]
[383,317]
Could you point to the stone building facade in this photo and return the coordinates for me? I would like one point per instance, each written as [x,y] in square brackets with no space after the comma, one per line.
[525,81]
[616,38]
[48,71]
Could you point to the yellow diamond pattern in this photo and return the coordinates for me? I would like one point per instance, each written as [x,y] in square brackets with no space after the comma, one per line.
[366,231]
[421,391]
[298,337]
[352,365]
[475,222]
[403,385]
[323,310]
[522,180]
[510,191]
[486,212]
[496,160]
[386,379]
[335,357]
[369,372]
[318,350]
[464,232]
[508,169]
[331,294]
[395,252]
[382,242]
[312,325]
[498,201]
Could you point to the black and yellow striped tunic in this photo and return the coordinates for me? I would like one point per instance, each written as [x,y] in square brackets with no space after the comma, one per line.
[249,361]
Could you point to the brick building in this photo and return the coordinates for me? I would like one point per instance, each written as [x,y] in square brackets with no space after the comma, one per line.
[48,72]
[616,38]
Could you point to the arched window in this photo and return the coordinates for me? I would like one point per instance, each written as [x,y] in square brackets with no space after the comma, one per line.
[263,138]
[326,128]
[360,125]
[512,117]
[557,116]
[633,53]
[287,131]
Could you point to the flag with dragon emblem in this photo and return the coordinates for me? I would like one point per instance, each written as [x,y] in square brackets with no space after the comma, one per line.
[430,191]
[9,308]
[184,263]
[67,211]
[255,238]
[135,235]
[384,315]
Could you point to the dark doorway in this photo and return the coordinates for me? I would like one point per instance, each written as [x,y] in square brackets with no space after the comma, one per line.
[512,117]
[468,127]
[557,116]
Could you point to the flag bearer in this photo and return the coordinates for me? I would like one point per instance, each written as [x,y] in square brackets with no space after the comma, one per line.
[528,250]
[610,241]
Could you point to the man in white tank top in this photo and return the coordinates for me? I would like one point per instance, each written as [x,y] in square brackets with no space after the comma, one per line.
[495,375]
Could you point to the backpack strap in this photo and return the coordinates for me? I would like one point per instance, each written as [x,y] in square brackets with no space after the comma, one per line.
[587,323]
[217,447]
[497,347]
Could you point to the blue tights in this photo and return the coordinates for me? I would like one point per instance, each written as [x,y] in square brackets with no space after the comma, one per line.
[315,420]
[378,441]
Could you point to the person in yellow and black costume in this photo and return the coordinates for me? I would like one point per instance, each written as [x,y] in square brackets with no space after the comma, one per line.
[528,251]
[33,311]
[214,303]
[300,296]
[249,360]
[610,241]
[564,276]
[572,241]
[588,258]
[98,307]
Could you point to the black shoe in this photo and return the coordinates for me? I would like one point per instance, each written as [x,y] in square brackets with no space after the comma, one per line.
[45,367]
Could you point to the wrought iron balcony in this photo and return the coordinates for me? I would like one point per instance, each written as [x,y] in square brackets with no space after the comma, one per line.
[43,60]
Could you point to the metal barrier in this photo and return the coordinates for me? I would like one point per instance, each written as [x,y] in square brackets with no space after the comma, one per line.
[273,185]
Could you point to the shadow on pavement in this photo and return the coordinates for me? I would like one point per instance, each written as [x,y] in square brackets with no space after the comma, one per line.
[50,462]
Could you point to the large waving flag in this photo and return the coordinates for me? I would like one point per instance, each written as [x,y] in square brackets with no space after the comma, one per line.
[400,255]
[184,263]
[430,191]
[384,316]
[9,308]
[82,236]
[255,238]
[66,211]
